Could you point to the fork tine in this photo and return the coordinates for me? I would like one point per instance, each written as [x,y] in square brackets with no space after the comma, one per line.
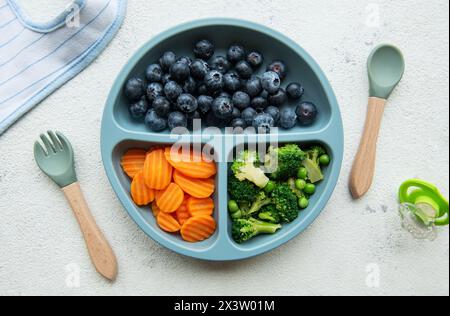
[48,144]
[39,152]
[64,142]
[56,144]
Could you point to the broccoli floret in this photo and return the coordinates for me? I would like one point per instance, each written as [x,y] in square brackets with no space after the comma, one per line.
[286,203]
[242,191]
[245,229]
[312,164]
[247,210]
[283,163]
[270,214]
[246,167]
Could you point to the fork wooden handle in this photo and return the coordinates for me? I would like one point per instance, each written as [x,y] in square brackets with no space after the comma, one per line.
[99,249]
[364,166]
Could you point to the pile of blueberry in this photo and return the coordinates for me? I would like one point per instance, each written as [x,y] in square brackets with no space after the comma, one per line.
[222,91]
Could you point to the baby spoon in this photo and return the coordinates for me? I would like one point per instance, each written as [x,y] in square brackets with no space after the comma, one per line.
[386,67]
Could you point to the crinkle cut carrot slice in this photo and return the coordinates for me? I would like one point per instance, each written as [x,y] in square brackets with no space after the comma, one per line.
[198,188]
[171,199]
[198,207]
[155,209]
[192,166]
[198,228]
[157,171]
[133,161]
[168,223]
[182,214]
[140,193]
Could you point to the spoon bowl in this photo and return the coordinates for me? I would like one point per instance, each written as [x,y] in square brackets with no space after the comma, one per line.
[386,67]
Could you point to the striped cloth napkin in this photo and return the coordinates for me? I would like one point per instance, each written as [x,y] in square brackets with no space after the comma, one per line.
[36,59]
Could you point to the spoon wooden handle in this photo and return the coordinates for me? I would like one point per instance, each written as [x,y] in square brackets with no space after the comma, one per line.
[364,166]
[99,249]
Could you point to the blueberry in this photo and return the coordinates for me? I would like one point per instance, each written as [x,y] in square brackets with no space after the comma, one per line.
[279,67]
[204,49]
[177,119]
[223,108]
[214,81]
[155,122]
[253,86]
[139,109]
[165,79]
[180,71]
[190,86]
[274,112]
[265,95]
[259,103]
[195,116]
[199,69]
[244,69]
[241,100]
[279,98]
[224,94]
[202,89]
[236,113]
[307,113]
[288,118]
[271,82]
[263,122]
[232,81]
[220,64]
[154,90]
[135,89]
[185,59]
[154,73]
[167,60]
[187,103]
[236,53]
[238,123]
[173,90]
[248,116]
[204,104]
[255,59]
[162,106]
[295,91]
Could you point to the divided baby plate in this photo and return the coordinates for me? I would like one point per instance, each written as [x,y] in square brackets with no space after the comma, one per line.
[120,133]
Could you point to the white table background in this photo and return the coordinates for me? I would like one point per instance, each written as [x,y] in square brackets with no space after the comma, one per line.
[40,239]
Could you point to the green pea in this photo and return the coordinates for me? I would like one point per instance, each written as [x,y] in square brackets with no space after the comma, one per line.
[302,173]
[324,160]
[303,203]
[270,187]
[236,215]
[300,184]
[233,206]
[310,189]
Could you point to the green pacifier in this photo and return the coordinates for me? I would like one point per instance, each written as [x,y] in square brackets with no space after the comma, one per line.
[422,208]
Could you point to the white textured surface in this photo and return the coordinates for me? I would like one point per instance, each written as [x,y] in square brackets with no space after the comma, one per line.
[39,236]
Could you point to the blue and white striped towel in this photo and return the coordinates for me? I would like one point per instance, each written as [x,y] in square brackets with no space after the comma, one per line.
[36,59]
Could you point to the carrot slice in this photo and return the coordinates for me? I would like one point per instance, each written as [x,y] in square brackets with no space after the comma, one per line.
[182,214]
[133,162]
[157,171]
[168,223]
[198,207]
[191,165]
[155,209]
[198,228]
[198,188]
[171,199]
[158,194]
[140,193]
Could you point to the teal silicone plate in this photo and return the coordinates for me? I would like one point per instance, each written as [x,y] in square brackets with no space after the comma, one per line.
[120,133]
